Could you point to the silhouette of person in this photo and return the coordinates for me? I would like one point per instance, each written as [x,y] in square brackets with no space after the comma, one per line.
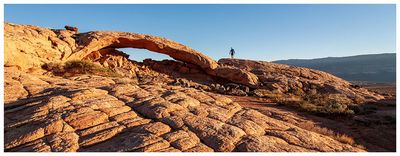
[232,52]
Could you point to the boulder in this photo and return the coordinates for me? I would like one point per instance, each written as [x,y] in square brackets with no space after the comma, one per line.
[235,75]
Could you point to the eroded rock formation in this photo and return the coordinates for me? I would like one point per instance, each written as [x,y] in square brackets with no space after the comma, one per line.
[28,47]
[144,111]
[285,78]
[36,46]
[94,113]
[95,41]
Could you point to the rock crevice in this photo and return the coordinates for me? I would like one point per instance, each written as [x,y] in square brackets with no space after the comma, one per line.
[145,111]
[46,45]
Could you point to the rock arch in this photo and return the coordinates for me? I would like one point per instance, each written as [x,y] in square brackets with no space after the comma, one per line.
[98,40]
[35,46]
[95,41]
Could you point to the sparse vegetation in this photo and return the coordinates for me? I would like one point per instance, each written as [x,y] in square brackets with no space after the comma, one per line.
[273,95]
[76,67]
[320,104]
[310,101]
[312,127]
[345,139]
[325,131]
[55,68]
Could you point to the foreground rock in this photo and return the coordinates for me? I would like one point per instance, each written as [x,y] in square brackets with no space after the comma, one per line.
[151,106]
[82,114]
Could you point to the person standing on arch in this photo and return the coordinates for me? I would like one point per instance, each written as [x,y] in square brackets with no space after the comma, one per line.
[232,53]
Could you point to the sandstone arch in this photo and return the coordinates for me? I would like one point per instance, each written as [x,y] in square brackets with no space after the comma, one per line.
[98,40]
[35,46]
[95,41]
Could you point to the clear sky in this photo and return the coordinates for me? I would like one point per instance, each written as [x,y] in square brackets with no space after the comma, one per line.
[259,32]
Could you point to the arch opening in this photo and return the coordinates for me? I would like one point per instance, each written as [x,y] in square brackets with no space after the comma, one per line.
[95,45]
[139,55]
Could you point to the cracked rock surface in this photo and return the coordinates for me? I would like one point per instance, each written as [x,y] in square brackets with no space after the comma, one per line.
[94,113]
[35,46]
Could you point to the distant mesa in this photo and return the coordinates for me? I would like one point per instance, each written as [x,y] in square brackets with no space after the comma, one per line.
[371,68]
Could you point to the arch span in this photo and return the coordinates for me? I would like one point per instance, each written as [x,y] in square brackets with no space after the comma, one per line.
[95,41]
[98,40]
[35,46]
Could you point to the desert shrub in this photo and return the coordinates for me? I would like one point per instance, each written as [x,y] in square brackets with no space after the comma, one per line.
[56,68]
[76,67]
[330,100]
[273,95]
[344,139]
[325,105]
[312,127]
[301,104]
[82,67]
[328,132]
[87,67]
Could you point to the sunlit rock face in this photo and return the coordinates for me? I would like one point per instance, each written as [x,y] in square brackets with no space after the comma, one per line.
[35,46]
[94,113]
[142,109]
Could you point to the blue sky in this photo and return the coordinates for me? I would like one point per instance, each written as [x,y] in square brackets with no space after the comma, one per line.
[259,32]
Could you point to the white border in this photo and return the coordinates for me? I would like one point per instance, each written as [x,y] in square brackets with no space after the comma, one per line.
[189,2]
[204,1]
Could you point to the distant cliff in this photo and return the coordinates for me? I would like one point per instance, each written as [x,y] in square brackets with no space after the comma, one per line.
[369,68]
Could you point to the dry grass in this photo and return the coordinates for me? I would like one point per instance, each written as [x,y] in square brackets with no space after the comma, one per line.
[344,139]
[321,130]
[329,105]
[325,105]
[267,94]
[325,131]
[77,67]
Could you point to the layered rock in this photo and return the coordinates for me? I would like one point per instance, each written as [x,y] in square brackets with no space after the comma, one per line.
[94,113]
[235,75]
[35,46]
[116,60]
[291,79]
[144,111]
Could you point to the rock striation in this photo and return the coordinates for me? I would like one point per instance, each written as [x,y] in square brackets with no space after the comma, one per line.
[95,113]
[145,109]
[286,79]
[36,46]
